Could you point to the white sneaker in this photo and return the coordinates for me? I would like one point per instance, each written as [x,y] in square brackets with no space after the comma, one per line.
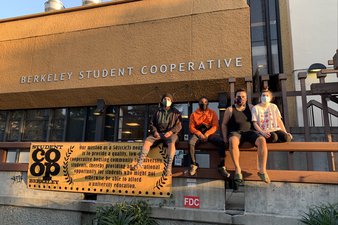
[193,170]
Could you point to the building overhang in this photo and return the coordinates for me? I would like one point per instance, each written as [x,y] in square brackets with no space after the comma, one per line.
[126,53]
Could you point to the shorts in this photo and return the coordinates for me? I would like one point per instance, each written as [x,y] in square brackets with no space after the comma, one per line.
[246,136]
[155,141]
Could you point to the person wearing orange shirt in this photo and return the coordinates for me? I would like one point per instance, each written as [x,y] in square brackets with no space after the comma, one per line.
[203,125]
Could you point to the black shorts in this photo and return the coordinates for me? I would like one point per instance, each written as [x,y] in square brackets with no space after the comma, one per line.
[245,136]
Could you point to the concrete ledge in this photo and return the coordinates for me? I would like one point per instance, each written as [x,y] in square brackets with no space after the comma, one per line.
[254,219]
[55,204]
[209,216]
[286,199]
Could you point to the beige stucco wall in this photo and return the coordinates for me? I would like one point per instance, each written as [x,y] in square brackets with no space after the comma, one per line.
[45,57]
[286,45]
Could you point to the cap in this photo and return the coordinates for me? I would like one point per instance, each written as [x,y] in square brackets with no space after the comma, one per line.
[167,95]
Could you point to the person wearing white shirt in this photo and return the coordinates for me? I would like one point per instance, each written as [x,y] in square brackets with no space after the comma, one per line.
[267,120]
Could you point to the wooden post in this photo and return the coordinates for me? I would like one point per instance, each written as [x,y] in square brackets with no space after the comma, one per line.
[282,78]
[232,82]
[327,131]
[302,76]
[248,81]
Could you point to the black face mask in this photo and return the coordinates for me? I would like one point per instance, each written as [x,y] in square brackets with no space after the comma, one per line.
[239,101]
[203,107]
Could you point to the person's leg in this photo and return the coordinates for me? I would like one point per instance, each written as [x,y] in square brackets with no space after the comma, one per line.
[144,152]
[282,136]
[218,141]
[171,153]
[273,138]
[193,166]
[192,143]
[262,151]
[234,141]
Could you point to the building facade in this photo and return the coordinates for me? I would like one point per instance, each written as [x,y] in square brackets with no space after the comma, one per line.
[96,73]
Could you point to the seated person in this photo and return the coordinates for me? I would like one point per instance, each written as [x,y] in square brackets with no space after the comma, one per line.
[237,126]
[164,126]
[267,120]
[203,125]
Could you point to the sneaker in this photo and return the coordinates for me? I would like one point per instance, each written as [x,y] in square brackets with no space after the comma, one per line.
[223,171]
[238,178]
[264,177]
[193,170]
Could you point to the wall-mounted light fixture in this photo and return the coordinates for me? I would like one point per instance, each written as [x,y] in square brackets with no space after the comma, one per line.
[132,124]
[316,67]
[222,101]
[100,107]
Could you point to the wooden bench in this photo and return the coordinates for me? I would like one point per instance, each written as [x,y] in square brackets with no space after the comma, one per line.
[248,161]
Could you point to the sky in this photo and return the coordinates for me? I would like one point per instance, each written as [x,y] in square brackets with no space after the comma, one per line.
[14,8]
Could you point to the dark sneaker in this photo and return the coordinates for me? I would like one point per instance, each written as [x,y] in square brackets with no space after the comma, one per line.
[223,171]
[193,170]
[238,178]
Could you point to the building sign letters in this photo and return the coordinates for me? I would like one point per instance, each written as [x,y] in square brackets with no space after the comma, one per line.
[113,72]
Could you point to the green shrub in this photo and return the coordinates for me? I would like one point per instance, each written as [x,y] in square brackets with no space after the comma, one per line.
[134,213]
[325,214]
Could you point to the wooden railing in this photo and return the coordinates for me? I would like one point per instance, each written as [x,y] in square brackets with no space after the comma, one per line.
[248,161]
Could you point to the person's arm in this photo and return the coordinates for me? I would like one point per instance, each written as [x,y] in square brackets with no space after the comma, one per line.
[226,118]
[254,118]
[153,124]
[280,123]
[192,125]
[214,124]
[178,122]
[260,130]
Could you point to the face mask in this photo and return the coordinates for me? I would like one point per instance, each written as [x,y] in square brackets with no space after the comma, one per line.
[203,107]
[265,99]
[239,101]
[166,103]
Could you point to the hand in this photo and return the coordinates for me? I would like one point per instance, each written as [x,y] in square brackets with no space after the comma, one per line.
[266,134]
[156,135]
[168,134]
[202,137]
[225,139]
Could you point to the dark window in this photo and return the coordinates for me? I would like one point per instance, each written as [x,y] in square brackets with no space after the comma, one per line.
[265,41]
[35,125]
[58,123]
[131,123]
[90,125]
[3,121]
[14,125]
[76,124]
[110,127]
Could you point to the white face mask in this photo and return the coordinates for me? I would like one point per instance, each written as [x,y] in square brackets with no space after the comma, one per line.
[265,99]
[166,103]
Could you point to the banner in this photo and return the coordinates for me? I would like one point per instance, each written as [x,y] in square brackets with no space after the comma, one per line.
[99,168]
